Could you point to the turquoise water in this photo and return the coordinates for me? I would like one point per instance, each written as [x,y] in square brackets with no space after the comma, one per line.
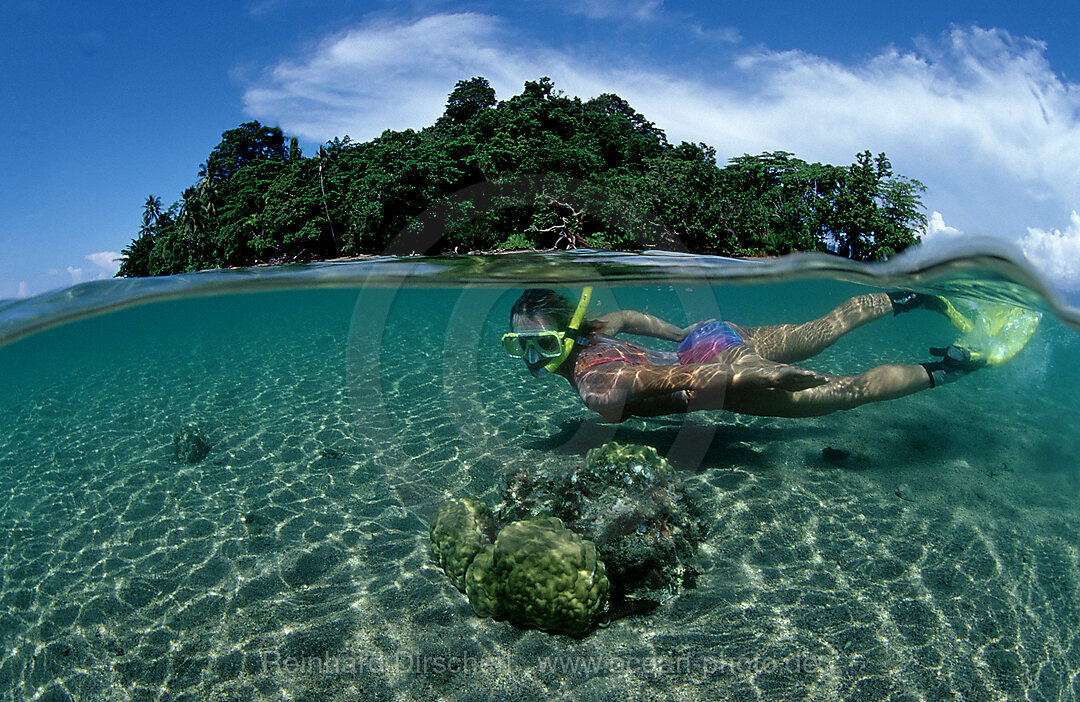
[924,548]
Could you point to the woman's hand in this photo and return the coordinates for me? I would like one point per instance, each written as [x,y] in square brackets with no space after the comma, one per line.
[777,377]
[688,330]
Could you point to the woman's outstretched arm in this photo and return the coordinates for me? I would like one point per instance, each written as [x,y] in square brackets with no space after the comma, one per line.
[617,390]
[642,324]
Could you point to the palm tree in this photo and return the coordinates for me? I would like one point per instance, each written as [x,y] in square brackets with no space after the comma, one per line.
[152,214]
[194,220]
[135,258]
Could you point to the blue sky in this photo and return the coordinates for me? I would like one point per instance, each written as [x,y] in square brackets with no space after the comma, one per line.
[107,102]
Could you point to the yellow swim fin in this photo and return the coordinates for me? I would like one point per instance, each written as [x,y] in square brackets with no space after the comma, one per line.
[955,316]
[994,332]
[907,300]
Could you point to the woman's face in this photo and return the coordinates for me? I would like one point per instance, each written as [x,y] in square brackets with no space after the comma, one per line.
[528,324]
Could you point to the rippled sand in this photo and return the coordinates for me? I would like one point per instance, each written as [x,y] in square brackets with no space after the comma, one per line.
[923,549]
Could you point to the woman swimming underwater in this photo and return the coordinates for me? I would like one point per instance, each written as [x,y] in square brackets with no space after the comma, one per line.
[718,365]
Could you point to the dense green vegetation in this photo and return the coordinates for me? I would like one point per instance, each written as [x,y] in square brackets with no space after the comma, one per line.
[611,180]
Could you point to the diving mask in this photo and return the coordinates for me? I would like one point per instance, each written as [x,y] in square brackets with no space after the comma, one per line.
[556,345]
[533,346]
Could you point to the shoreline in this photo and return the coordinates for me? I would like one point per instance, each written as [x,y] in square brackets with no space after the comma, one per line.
[480,252]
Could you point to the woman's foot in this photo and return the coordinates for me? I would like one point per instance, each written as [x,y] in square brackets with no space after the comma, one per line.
[955,363]
[906,300]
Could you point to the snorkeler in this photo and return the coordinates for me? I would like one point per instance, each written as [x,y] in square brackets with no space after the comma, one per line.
[718,365]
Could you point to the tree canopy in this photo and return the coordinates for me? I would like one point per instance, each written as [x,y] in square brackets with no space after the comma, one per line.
[605,174]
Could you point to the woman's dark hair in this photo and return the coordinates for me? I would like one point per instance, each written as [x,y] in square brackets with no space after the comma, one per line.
[541,302]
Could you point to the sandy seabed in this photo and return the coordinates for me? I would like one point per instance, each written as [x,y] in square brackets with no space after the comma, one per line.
[920,549]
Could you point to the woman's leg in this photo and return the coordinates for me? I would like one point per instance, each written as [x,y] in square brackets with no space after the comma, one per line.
[791,343]
[838,393]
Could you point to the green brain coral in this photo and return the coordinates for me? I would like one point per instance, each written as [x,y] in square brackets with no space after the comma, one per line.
[539,574]
[482,585]
[458,534]
[614,455]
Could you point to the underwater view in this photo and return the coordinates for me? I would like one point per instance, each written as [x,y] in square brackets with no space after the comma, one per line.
[297,483]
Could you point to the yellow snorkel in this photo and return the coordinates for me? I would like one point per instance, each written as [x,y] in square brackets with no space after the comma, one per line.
[571,331]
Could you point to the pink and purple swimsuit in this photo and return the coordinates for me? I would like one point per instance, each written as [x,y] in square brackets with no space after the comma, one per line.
[700,346]
[704,343]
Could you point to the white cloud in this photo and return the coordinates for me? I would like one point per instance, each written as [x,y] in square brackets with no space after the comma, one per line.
[614,9]
[936,227]
[23,290]
[978,115]
[729,35]
[258,8]
[104,267]
[106,261]
[980,118]
[386,76]
[1056,253]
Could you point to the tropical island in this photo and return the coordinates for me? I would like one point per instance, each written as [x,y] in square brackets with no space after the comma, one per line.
[259,200]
